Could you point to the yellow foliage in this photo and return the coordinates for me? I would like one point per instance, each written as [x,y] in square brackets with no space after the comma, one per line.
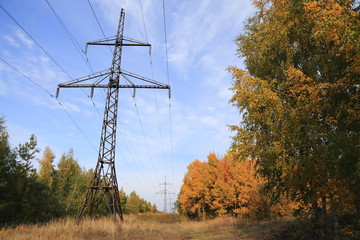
[224,186]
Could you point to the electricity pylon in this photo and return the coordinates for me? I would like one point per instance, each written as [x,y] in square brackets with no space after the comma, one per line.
[104,182]
[165,192]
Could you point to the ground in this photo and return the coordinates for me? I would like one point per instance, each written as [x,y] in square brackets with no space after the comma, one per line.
[148,227]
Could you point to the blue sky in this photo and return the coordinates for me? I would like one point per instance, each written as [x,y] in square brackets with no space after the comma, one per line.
[201,46]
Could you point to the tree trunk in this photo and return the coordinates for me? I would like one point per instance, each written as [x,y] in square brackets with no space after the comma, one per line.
[323,218]
[314,211]
[335,221]
[203,212]
[314,219]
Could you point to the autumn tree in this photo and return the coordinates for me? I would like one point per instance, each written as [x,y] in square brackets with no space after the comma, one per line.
[46,165]
[193,191]
[299,99]
[227,186]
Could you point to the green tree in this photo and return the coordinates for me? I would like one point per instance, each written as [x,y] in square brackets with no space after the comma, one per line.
[8,178]
[80,186]
[22,197]
[67,187]
[123,199]
[133,203]
[27,151]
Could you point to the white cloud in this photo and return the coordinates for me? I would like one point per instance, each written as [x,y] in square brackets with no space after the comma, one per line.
[70,106]
[23,38]
[200,44]
[11,41]
[210,121]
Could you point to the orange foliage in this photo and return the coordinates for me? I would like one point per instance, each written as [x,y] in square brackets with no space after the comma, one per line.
[226,186]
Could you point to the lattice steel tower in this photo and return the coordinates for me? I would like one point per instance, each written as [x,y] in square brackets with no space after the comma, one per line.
[165,192]
[104,182]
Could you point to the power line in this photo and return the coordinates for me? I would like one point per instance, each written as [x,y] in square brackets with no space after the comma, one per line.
[98,22]
[71,37]
[146,143]
[48,93]
[18,71]
[39,44]
[136,177]
[166,44]
[78,127]
[38,84]
[132,153]
[171,141]
[168,78]
[105,174]
[34,40]
[71,118]
[92,9]
[77,47]
[155,95]
[143,18]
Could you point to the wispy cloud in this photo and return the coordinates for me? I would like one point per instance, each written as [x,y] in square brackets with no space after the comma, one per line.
[11,41]
[23,38]
[200,38]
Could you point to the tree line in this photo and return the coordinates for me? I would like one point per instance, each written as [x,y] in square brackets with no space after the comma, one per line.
[298,98]
[54,190]
[227,186]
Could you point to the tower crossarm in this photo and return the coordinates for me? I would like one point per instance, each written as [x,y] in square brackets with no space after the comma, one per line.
[117,86]
[102,74]
[112,41]
[144,79]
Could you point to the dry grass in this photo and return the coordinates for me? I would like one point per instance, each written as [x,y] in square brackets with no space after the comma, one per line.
[143,227]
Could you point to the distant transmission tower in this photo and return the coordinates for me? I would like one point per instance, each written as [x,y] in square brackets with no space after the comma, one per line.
[171,207]
[104,182]
[165,192]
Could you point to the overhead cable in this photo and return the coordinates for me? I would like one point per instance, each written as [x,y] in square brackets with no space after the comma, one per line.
[48,93]
[34,41]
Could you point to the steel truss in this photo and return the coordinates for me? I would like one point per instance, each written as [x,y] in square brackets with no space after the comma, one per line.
[104,182]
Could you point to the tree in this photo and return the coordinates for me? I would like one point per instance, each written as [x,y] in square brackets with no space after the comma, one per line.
[123,199]
[8,177]
[193,191]
[67,187]
[227,186]
[27,151]
[47,171]
[135,204]
[22,197]
[300,99]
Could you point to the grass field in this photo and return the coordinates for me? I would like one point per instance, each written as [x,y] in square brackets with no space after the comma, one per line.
[146,227]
